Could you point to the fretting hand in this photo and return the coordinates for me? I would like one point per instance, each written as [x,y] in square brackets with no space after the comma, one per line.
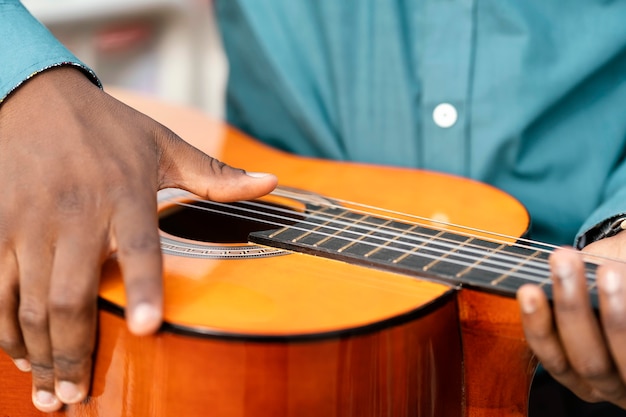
[80,172]
[583,351]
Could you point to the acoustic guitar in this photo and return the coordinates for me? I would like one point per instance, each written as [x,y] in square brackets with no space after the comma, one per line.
[346,292]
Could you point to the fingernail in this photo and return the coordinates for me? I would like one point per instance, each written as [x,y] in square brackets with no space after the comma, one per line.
[22,364]
[564,270]
[528,304]
[610,282]
[566,275]
[68,392]
[145,319]
[45,400]
[257,174]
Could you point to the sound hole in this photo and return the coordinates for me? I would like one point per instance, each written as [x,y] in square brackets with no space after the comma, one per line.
[225,223]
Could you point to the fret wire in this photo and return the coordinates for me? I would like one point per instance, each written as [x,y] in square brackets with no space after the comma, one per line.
[472,266]
[359,239]
[336,232]
[388,242]
[515,268]
[318,227]
[447,254]
[416,248]
[422,241]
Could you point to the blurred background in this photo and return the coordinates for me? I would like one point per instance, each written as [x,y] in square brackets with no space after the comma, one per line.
[168,48]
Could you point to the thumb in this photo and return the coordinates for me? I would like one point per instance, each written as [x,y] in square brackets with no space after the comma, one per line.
[184,166]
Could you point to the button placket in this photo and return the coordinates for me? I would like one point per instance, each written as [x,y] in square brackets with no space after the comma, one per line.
[445,59]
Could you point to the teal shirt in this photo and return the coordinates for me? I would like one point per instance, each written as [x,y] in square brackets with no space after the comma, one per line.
[539,88]
[27,48]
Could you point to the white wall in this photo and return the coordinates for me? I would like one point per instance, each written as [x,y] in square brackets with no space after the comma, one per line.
[169,48]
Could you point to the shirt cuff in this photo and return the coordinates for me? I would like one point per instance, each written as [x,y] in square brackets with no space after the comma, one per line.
[607,228]
[605,221]
[28,48]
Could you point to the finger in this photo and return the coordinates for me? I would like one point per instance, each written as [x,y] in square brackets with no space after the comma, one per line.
[11,340]
[73,312]
[35,262]
[612,297]
[541,335]
[139,254]
[184,166]
[578,328]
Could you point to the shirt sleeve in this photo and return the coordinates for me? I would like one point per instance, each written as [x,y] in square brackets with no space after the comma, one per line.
[28,48]
[607,218]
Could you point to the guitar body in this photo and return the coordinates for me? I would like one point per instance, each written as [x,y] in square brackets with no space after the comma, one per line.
[259,331]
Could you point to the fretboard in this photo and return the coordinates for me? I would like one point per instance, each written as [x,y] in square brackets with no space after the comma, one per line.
[416,250]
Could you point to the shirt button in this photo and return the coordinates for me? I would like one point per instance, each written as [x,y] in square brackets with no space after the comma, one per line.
[445,115]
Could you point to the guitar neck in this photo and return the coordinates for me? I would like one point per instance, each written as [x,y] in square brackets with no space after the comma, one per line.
[417,250]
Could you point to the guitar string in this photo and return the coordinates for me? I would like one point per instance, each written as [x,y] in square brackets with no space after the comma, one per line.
[467,231]
[453,245]
[419,238]
[395,215]
[540,277]
[416,237]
